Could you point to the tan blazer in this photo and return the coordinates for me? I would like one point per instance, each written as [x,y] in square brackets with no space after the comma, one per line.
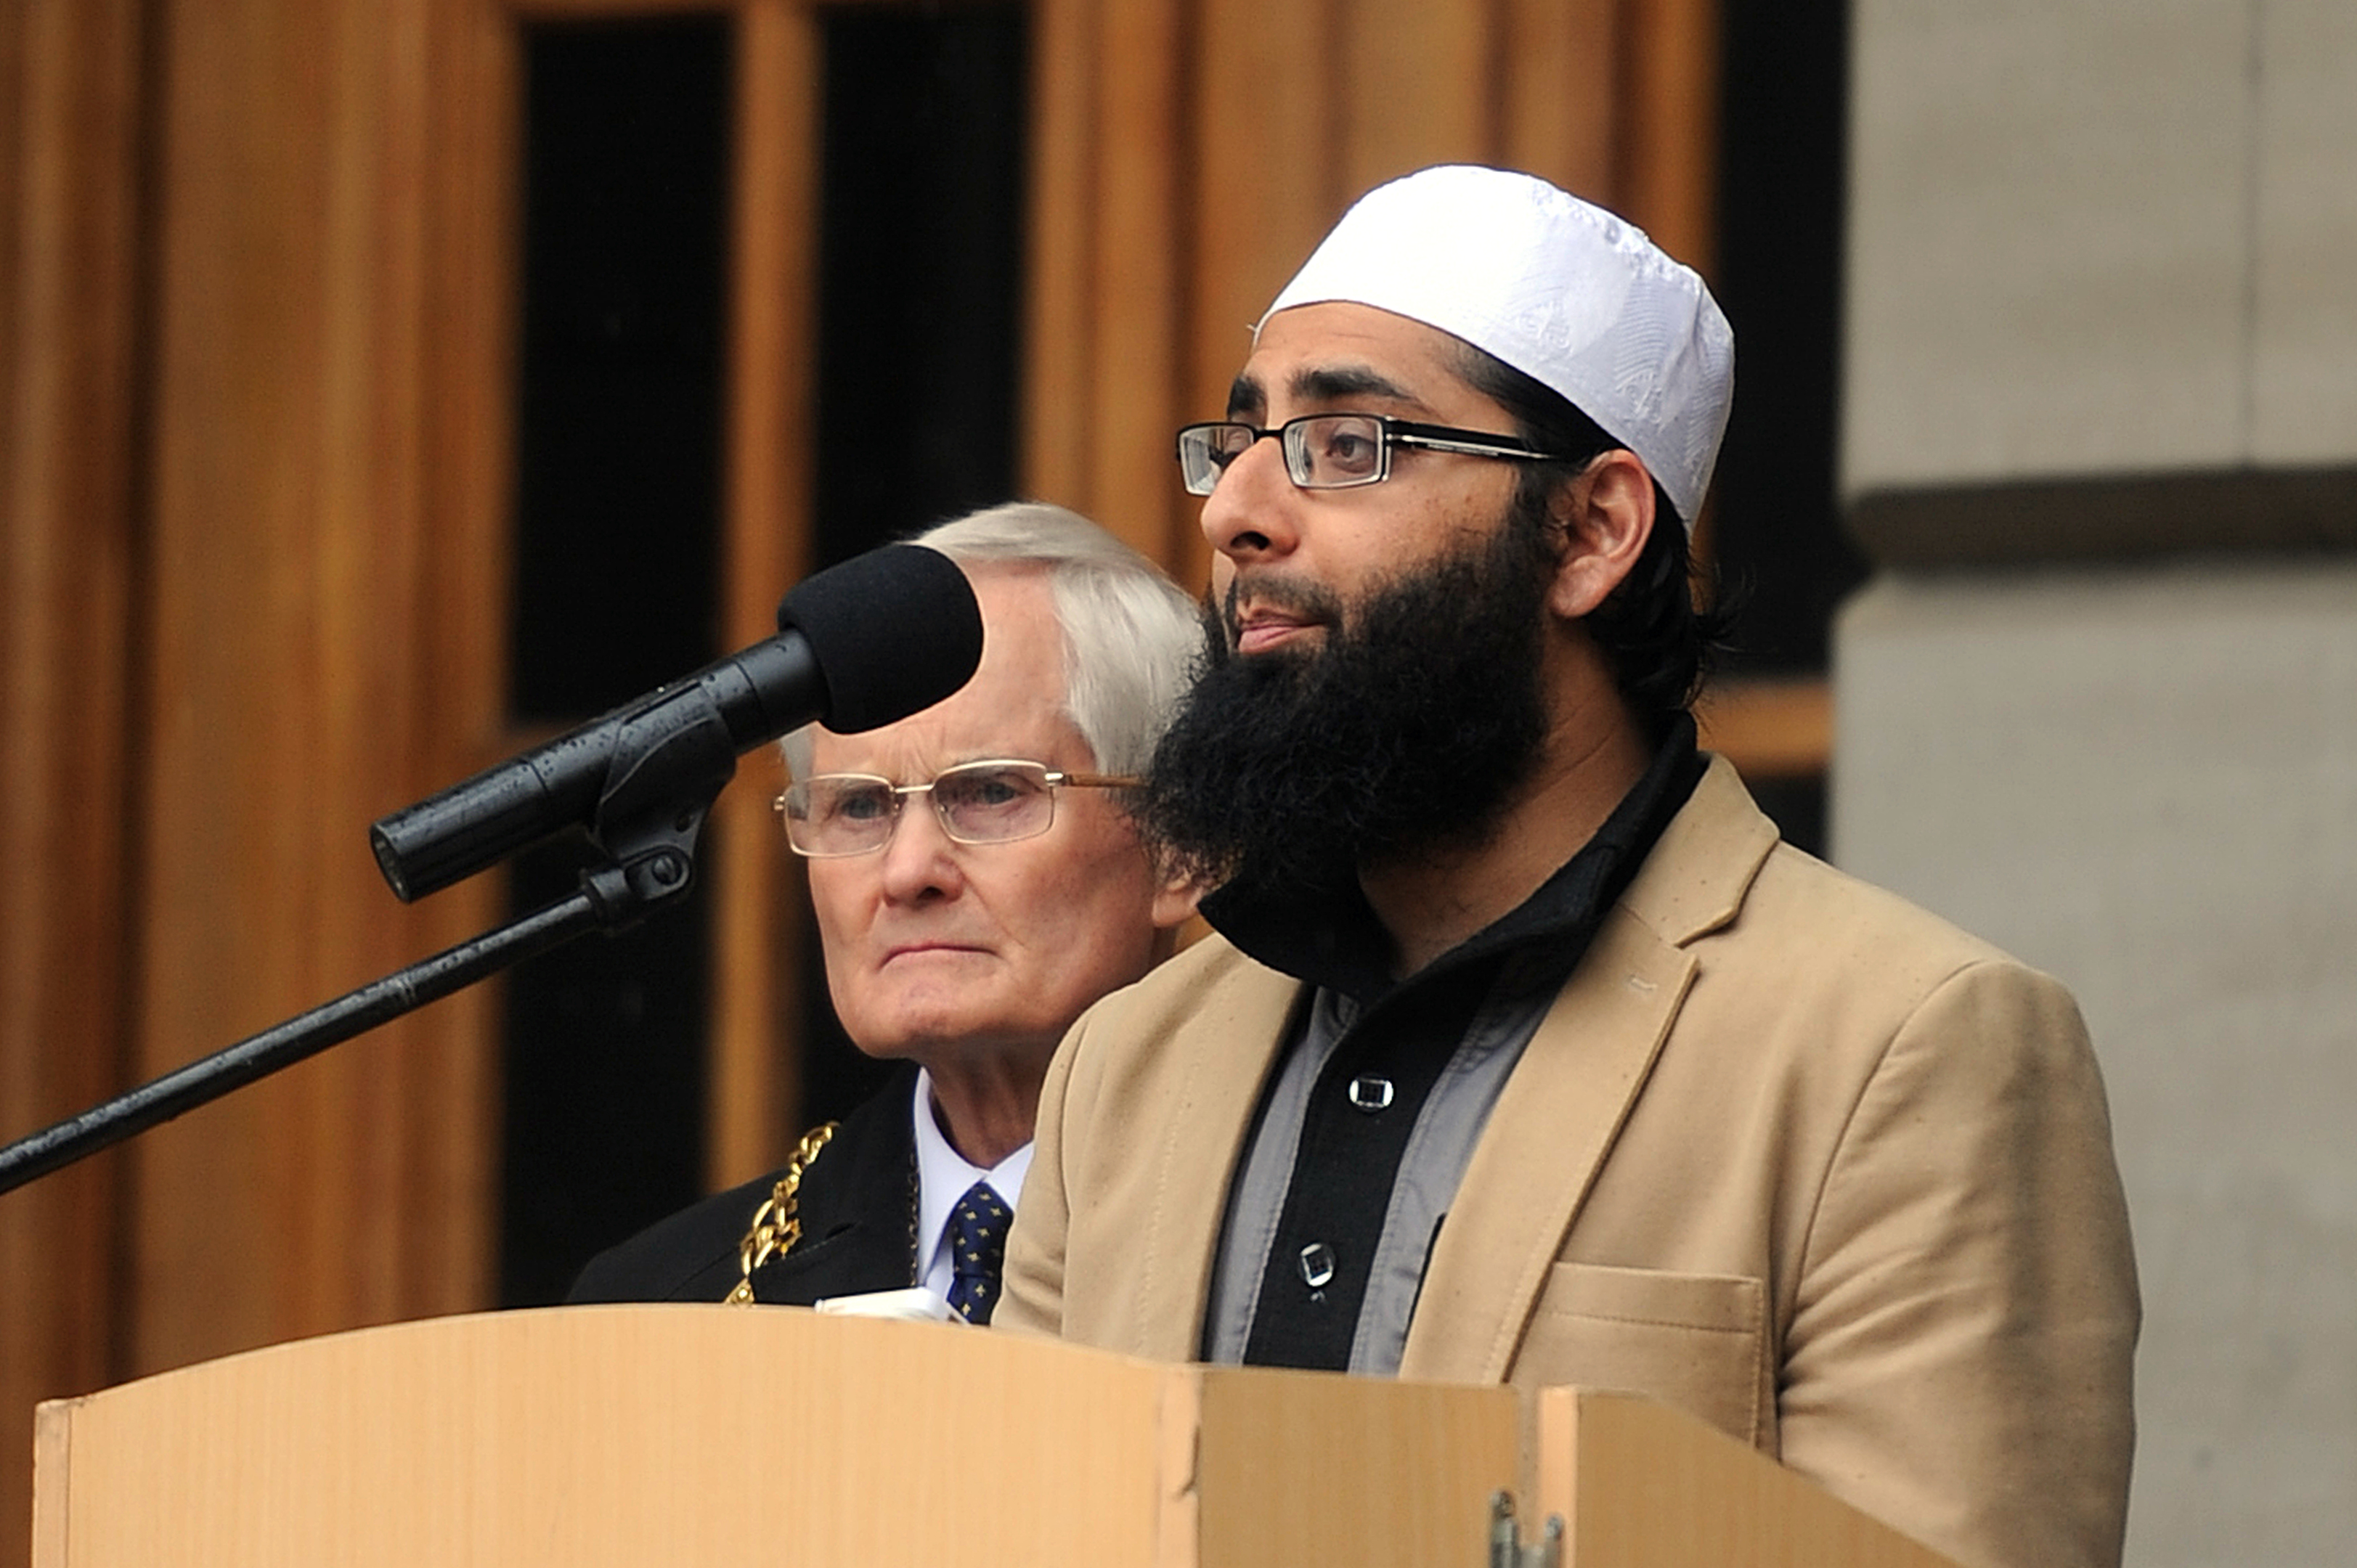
[1787,1152]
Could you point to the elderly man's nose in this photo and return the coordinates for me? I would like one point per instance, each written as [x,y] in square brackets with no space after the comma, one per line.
[921,858]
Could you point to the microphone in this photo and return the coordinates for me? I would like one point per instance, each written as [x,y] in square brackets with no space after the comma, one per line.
[859,645]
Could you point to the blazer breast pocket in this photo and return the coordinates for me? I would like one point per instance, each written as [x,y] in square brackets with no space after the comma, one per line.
[1696,1341]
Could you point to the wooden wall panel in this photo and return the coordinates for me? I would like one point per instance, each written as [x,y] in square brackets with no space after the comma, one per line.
[1266,180]
[15,136]
[1108,239]
[753,1086]
[1417,90]
[292,550]
[1556,65]
[1137,305]
[365,583]
[1666,178]
[70,123]
[1060,258]
[456,640]
[234,674]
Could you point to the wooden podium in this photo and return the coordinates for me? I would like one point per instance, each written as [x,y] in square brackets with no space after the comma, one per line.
[709,1434]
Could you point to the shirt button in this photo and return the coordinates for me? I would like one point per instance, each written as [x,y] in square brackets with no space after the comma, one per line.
[1371,1093]
[1317,1265]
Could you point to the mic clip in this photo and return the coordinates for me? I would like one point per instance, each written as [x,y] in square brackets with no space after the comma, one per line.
[669,761]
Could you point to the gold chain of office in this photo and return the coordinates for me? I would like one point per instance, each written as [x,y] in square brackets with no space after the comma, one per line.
[776,1225]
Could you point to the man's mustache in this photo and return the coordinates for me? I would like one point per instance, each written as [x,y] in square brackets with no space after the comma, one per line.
[1289,594]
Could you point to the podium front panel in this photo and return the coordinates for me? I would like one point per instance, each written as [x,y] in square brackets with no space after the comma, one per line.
[586,1436]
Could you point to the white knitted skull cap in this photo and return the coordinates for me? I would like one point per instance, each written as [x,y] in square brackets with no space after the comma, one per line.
[1560,289]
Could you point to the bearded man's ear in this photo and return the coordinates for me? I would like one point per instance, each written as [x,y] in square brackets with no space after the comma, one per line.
[1602,518]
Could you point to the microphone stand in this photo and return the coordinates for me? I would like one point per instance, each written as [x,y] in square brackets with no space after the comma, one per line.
[648,821]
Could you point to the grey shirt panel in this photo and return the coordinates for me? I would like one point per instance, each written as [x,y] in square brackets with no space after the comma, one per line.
[1434,1163]
[1439,1149]
[1256,1202]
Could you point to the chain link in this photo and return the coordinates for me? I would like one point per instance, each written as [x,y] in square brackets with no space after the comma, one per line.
[776,1225]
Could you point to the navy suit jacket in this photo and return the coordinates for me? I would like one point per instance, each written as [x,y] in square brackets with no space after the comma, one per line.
[857,1205]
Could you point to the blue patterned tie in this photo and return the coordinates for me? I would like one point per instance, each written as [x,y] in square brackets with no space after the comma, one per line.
[977,1248]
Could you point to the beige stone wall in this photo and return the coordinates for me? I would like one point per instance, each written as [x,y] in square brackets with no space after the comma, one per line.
[2101,704]
[2100,237]
[2145,783]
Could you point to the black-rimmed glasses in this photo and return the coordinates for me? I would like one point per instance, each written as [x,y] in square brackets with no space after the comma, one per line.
[977,802]
[1335,451]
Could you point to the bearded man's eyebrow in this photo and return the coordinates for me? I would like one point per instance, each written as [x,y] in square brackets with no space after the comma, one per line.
[1329,383]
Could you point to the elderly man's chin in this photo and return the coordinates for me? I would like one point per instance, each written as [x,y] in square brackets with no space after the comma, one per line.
[945,1006]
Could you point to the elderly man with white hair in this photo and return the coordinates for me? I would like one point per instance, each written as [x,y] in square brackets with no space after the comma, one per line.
[1525,1051]
[978,881]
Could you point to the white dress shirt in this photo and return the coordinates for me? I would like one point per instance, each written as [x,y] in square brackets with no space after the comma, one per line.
[942,1177]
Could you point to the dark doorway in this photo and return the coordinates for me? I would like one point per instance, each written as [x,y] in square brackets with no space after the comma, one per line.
[617,512]
[1779,535]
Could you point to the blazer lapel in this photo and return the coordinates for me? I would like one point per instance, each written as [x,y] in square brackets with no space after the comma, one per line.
[1538,1156]
[869,1254]
[1227,1050]
[1566,1101]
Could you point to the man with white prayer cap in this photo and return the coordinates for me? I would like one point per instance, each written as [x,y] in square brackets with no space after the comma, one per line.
[1525,1051]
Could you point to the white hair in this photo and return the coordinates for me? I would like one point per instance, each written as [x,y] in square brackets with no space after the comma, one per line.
[1131,637]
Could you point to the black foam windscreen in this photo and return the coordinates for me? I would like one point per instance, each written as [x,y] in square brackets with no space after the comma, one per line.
[893,630]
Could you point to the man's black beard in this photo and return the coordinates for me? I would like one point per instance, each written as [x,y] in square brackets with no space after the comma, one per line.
[1408,731]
